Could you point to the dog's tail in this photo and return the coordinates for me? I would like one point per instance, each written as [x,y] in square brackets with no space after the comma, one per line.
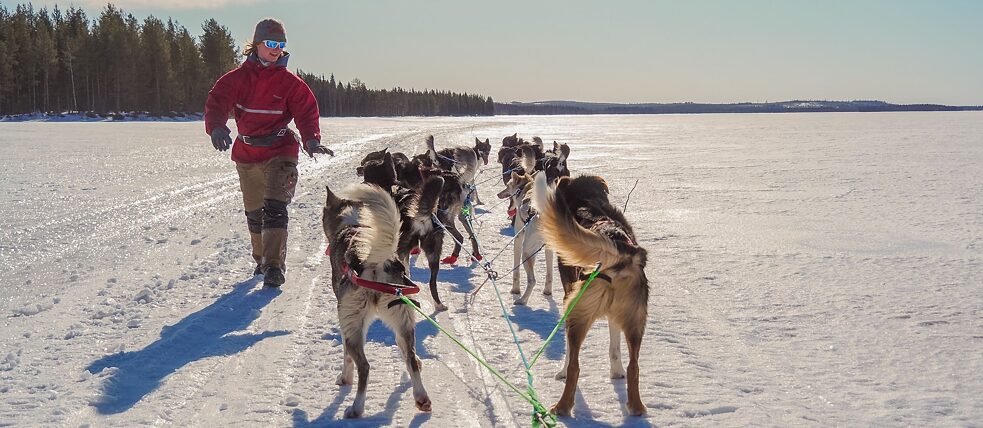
[425,204]
[431,151]
[429,197]
[576,245]
[379,218]
[527,159]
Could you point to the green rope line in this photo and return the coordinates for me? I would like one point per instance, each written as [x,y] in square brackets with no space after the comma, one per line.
[597,271]
[540,413]
[537,414]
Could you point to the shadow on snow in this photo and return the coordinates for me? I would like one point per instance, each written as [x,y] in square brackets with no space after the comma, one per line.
[203,334]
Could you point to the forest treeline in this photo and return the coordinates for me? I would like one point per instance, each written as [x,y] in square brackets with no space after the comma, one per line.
[57,60]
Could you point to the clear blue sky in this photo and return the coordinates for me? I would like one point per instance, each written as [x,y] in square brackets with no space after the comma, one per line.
[899,51]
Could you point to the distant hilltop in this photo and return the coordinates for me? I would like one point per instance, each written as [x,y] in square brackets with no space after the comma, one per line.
[576,107]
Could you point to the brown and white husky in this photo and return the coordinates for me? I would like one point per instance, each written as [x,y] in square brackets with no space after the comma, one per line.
[582,226]
[362,228]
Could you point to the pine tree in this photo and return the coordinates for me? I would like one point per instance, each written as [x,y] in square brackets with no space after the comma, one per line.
[218,49]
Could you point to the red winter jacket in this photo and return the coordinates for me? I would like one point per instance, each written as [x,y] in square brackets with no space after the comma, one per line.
[264,100]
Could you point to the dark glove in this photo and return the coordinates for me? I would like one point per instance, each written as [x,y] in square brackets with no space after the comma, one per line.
[314,146]
[221,139]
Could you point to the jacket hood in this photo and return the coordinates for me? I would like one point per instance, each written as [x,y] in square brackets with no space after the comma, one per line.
[281,62]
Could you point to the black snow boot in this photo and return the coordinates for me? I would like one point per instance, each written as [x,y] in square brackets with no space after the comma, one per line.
[273,277]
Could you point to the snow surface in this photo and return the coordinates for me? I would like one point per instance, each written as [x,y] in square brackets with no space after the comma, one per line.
[806,270]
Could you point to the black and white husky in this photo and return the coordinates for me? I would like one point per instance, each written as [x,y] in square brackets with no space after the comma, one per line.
[362,227]
[464,161]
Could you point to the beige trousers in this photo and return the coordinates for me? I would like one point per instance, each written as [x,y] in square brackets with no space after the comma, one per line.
[267,189]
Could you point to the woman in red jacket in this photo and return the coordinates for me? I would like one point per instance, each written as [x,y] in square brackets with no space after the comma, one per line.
[264,97]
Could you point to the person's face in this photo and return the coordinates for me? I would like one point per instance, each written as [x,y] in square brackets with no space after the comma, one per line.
[268,54]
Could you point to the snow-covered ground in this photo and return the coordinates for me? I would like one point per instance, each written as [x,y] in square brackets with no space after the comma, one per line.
[806,270]
[104,117]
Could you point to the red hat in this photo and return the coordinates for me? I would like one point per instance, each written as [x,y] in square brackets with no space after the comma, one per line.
[270,29]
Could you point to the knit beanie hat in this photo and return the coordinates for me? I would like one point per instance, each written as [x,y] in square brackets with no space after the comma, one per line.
[270,29]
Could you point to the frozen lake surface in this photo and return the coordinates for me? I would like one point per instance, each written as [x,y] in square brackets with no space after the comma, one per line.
[805,270]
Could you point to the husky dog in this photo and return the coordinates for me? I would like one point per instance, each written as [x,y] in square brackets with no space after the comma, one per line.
[429,237]
[362,228]
[528,239]
[461,160]
[582,226]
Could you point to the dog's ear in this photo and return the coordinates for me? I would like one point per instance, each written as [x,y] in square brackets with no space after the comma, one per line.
[562,184]
[564,151]
[604,184]
[332,200]
[476,140]
[515,176]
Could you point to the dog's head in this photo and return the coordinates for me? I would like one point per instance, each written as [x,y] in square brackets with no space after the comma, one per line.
[515,187]
[371,156]
[511,140]
[482,149]
[380,172]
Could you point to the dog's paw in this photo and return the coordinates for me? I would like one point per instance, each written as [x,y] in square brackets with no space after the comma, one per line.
[439,307]
[560,410]
[423,404]
[617,373]
[515,290]
[352,413]
[547,292]
[345,380]
[520,302]
[560,375]
[636,409]
[449,260]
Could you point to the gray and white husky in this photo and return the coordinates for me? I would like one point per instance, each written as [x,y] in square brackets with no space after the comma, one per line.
[362,227]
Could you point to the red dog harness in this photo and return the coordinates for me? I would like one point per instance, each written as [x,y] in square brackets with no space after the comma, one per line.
[382,287]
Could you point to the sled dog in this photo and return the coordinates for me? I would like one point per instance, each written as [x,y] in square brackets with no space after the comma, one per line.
[584,229]
[362,228]
[528,239]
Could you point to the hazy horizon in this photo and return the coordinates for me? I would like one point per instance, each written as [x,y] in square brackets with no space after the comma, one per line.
[901,52]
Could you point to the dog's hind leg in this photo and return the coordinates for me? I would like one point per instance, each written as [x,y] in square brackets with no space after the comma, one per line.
[634,338]
[576,333]
[516,259]
[548,281]
[432,245]
[354,317]
[356,348]
[614,350]
[474,241]
[347,375]
[401,321]
[529,263]
[458,238]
